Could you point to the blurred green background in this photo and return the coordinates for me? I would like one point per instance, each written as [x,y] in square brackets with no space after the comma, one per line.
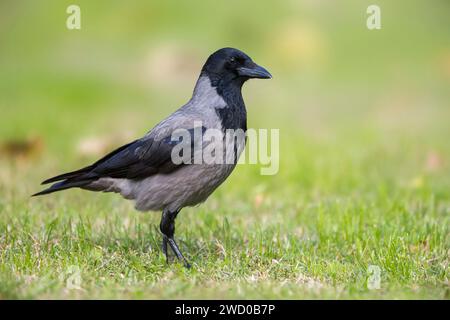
[363,115]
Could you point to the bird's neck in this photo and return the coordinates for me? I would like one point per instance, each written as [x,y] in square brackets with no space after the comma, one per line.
[226,98]
[208,84]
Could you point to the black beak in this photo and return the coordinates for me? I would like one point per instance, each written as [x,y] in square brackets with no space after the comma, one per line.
[254,71]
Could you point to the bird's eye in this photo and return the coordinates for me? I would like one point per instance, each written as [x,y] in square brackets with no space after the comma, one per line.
[232,59]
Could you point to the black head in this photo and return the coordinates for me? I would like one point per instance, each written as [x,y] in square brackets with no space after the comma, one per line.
[230,65]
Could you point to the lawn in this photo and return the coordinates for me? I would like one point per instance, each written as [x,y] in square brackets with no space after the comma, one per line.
[363,182]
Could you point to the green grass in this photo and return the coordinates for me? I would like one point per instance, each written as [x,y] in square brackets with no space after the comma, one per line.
[364,160]
[308,233]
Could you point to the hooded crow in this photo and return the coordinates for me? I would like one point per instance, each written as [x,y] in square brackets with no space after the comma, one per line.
[144,170]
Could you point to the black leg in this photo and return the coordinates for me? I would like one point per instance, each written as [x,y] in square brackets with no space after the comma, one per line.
[164,248]
[167,228]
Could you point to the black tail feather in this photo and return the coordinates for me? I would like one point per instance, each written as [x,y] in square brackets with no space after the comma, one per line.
[69,175]
[63,185]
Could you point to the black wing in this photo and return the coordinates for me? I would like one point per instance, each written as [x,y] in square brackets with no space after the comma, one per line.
[136,160]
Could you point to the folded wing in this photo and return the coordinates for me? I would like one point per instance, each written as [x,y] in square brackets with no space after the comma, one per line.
[136,160]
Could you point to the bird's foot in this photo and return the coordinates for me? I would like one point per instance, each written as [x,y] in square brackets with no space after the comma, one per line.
[176,250]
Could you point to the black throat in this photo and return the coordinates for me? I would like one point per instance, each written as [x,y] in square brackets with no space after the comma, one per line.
[234,115]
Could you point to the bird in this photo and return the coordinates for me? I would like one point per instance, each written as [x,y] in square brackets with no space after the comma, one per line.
[144,170]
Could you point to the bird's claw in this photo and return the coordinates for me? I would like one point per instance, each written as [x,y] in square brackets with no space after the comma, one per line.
[173,245]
